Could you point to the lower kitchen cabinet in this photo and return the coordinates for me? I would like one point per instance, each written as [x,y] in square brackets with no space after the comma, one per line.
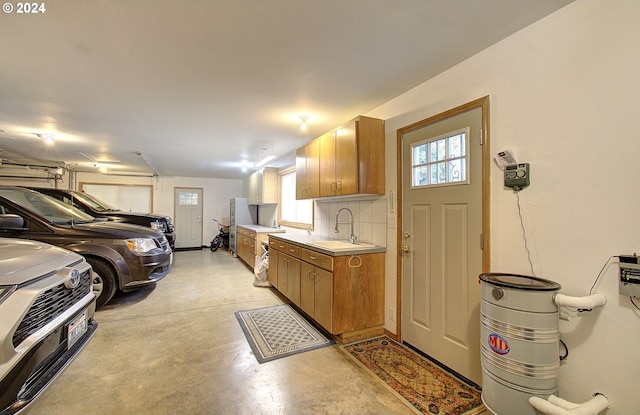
[291,272]
[250,244]
[343,294]
[316,294]
[358,300]
[272,274]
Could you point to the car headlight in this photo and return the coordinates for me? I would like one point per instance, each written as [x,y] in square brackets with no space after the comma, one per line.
[140,245]
[158,226]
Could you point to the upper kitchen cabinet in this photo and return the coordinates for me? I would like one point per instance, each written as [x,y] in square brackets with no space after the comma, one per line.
[308,171]
[262,186]
[352,159]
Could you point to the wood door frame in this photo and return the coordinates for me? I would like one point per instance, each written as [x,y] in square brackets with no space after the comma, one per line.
[482,103]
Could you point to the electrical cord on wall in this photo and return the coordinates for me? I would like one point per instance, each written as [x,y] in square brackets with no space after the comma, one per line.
[634,303]
[600,273]
[524,233]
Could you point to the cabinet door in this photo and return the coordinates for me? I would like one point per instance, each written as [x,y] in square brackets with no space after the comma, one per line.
[328,165]
[301,173]
[371,155]
[307,289]
[313,169]
[272,273]
[246,249]
[293,280]
[346,164]
[283,280]
[255,188]
[323,298]
[269,186]
[253,249]
[308,171]
[339,161]
[240,244]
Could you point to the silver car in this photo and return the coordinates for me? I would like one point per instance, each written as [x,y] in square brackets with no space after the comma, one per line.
[46,317]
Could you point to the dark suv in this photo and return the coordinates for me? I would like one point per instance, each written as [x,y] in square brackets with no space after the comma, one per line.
[99,209]
[122,256]
[47,308]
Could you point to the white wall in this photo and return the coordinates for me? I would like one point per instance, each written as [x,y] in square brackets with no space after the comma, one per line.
[565,93]
[369,219]
[216,193]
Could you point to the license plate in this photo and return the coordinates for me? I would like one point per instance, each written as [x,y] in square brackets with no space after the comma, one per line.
[76,329]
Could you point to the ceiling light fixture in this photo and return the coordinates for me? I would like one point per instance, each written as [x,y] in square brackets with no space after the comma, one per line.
[47,138]
[303,122]
[265,155]
[264,161]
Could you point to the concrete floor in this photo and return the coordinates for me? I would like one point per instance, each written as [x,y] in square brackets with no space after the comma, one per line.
[177,348]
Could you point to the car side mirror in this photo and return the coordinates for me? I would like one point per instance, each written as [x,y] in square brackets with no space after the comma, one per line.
[12,222]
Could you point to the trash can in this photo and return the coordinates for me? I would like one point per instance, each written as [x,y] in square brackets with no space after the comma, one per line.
[519,341]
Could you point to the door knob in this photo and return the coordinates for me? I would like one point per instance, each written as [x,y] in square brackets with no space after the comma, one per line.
[404,249]
[407,235]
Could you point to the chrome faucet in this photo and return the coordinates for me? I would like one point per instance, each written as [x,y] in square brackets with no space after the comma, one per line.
[352,237]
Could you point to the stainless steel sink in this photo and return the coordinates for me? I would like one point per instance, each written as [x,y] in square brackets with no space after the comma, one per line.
[336,245]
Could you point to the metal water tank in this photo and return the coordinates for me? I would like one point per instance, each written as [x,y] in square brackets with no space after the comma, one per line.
[519,341]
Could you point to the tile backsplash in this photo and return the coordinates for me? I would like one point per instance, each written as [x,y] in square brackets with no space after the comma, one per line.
[370,220]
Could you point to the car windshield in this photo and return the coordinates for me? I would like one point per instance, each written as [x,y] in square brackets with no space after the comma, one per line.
[96,204]
[49,208]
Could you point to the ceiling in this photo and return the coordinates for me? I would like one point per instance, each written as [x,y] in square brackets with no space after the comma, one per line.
[198,88]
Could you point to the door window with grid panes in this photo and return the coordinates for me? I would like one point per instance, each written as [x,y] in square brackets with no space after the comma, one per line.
[441,160]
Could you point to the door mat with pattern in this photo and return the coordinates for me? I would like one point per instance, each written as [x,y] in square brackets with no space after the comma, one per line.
[279,331]
[426,387]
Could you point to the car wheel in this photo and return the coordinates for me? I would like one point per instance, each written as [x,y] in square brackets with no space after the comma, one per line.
[216,243]
[103,281]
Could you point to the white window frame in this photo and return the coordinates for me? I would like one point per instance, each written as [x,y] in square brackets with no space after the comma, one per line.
[466,158]
[300,204]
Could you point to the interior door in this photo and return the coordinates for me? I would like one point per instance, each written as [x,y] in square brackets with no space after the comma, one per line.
[441,237]
[188,217]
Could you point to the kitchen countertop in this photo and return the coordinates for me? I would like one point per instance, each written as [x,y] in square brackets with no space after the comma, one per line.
[263,229]
[306,241]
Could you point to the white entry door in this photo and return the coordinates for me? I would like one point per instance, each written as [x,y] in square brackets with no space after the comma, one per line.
[188,217]
[442,231]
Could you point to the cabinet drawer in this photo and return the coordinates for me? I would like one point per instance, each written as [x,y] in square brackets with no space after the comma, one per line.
[294,250]
[278,245]
[318,259]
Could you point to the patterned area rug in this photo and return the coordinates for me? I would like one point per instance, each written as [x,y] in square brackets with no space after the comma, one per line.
[279,331]
[426,387]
